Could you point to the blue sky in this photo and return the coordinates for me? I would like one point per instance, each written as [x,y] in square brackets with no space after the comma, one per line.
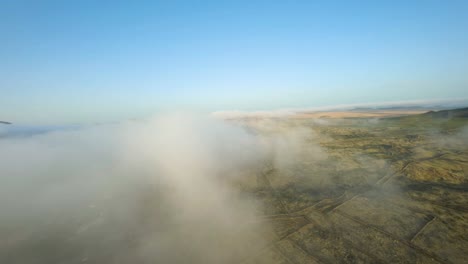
[93,61]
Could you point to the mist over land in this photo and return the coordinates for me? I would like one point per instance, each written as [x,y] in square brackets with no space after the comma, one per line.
[181,188]
[137,191]
[249,132]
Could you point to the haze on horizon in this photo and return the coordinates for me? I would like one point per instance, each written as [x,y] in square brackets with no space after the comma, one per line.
[90,61]
[233,132]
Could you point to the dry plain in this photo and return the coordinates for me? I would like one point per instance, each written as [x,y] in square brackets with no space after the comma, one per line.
[382,190]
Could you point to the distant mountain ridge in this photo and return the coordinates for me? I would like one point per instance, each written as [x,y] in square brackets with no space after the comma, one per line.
[460,112]
[434,115]
[394,108]
[5,123]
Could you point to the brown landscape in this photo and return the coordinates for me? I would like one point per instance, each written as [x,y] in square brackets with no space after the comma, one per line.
[387,190]
[344,187]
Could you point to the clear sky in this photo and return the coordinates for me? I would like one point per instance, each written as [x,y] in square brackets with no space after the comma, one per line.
[87,61]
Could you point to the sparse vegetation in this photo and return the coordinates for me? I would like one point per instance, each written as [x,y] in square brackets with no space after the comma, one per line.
[392,191]
[249,190]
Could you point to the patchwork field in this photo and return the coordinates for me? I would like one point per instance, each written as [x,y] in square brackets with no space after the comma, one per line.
[388,190]
[289,189]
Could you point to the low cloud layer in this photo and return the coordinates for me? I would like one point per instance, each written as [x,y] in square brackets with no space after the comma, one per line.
[137,192]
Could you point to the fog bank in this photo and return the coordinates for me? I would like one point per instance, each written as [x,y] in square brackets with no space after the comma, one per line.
[138,192]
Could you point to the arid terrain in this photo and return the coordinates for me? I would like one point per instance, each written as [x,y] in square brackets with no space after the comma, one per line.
[256,189]
[387,190]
